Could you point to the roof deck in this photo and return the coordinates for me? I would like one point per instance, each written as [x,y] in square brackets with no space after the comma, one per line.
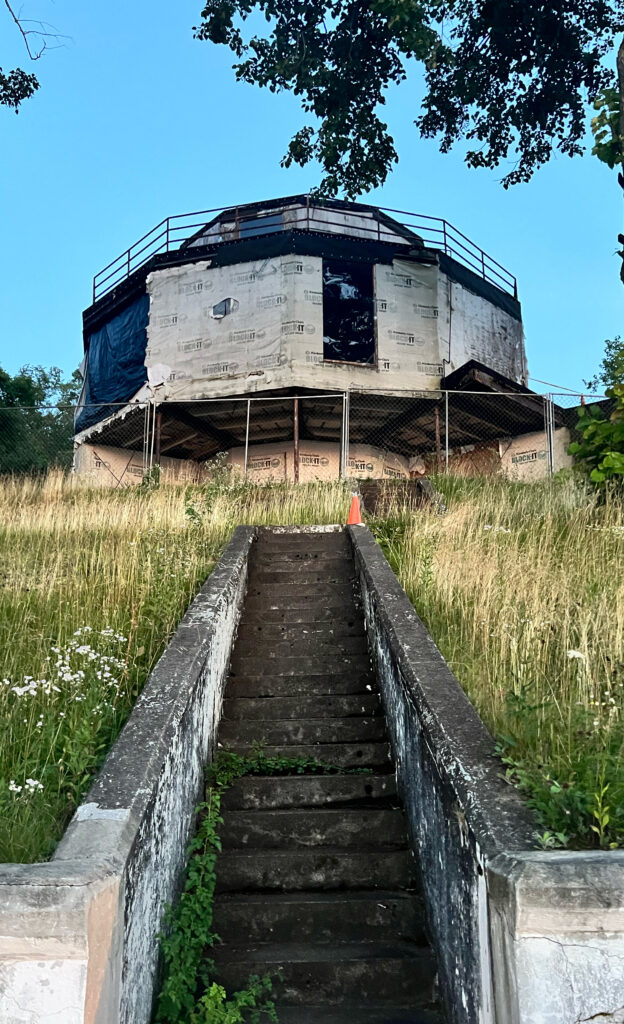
[416,233]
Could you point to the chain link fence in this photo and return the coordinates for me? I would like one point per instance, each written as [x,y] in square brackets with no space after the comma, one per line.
[299,438]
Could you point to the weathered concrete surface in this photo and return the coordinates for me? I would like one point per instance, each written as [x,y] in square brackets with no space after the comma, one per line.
[557,927]
[522,936]
[78,935]
[316,877]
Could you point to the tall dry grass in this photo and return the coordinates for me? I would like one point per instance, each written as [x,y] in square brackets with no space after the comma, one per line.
[522,586]
[92,584]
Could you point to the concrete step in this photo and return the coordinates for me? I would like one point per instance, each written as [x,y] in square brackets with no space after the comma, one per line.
[353,828]
[301,707]
[341,755]
[329,631]
[300,610]
[310,685]
[281,543]
[276,791]
[320,917]
[357,1013]
[261,646]
[323,867]
[296,595]
[298,577]
[399,973]
[303,732]
[293,666]
[320,561]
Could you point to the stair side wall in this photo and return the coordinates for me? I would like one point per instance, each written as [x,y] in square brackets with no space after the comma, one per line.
[521,935]
[78,935]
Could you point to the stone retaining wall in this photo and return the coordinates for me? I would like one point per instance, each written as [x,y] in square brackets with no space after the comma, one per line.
[78,934]
[522,936]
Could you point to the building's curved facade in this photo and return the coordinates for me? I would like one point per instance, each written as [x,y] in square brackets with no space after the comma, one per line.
[292,297]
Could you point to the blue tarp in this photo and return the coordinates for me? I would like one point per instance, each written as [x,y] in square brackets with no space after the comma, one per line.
[115,363]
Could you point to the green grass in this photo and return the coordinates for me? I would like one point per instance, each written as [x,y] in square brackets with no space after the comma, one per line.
[93,584]
[520,584]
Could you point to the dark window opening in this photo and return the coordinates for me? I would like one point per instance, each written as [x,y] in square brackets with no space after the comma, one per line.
[260,225]
[223,308]
[348,320]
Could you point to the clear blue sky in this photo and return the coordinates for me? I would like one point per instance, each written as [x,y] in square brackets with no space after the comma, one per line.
[136,120]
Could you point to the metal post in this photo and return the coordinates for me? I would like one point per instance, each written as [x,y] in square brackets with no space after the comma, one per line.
[146,436]
[152,436]
[344,438]
[157,430]
[549,423]
[247,437]
[446,432]
[436,413]
[296,438]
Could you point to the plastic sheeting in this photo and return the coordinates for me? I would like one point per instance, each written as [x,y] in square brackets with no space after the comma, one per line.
[115,367]
[287,321]
[410,345]
[239,325]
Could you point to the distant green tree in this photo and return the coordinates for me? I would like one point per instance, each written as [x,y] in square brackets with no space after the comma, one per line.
[37,419]
[611,370]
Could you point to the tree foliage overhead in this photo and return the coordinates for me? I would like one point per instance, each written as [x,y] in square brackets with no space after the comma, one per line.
[16,86]
[513,78]
[19,85]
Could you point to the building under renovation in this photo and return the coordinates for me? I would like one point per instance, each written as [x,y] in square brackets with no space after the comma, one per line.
[302,339]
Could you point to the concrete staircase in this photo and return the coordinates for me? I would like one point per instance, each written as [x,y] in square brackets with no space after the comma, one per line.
[316,879]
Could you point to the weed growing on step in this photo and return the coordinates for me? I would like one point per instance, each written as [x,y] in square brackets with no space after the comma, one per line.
[188,994]
[521,587]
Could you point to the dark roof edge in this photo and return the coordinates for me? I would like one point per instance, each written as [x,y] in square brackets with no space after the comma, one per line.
[280,243]
[474,371]
[469,279]
[308,243]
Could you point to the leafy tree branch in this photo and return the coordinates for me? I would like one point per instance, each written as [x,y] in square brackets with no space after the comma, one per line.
[513,79]
[19,85]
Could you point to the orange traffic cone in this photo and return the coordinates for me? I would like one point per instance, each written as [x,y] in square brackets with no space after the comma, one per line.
[355,514]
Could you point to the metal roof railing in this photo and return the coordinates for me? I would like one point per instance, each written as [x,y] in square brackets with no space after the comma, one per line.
[436,233]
